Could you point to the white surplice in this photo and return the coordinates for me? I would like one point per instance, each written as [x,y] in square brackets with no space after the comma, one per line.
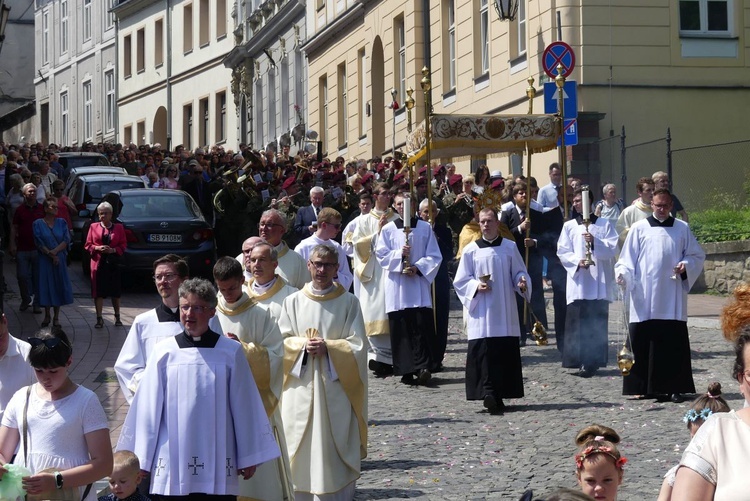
[647,259]
[196,418]
[492,313]
[596,281]
[148,329]
[261,341]
[629,216]
[403,291]
[324,404]
[305,247]
[292,267]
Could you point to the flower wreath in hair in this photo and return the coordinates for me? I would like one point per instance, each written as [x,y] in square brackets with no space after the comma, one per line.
[692,415]
[599,449]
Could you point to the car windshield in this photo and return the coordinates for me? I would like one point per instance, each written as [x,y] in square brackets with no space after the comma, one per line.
[96,190]
[144,206]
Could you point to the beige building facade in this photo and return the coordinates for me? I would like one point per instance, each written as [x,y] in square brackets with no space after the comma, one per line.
[643,65]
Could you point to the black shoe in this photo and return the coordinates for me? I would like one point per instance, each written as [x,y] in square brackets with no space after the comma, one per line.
[585,372]
[408,379]
[423,376]
[677,398]
[380,369]
[24,306]
[490,403]
[662,397]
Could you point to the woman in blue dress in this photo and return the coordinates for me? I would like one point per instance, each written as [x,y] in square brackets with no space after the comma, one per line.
[52,239]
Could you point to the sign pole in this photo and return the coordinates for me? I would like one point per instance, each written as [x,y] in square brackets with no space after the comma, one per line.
[560,82]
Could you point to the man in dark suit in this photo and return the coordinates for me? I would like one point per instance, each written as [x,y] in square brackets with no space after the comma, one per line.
[197,187]
[305,223]
[517,220]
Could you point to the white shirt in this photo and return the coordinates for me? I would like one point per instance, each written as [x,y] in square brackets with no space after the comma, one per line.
[15,370]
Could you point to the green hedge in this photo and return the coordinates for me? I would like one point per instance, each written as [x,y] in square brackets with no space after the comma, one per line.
[721,225]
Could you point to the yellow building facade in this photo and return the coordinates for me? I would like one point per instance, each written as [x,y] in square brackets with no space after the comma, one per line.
[645,65]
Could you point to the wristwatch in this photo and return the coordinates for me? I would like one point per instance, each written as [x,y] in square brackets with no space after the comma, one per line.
[58,480]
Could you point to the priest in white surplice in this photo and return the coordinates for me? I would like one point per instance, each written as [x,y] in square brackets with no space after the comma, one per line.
[197,420]
[371,277]
[324,404]
[489,272]
[329,225]
[658,264]
[266,287]
[153,326]
[243,320]
[589,289]
[408,297]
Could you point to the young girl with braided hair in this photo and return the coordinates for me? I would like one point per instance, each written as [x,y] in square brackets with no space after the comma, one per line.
[702,407]
[599,464]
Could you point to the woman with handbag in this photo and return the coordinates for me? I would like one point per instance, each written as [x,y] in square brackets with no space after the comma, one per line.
[52,239]
[59,428]
[105,244]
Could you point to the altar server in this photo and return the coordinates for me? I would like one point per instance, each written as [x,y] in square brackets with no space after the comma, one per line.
[266,287]
[589,288]
[489,272]
[659,263]
[329,225]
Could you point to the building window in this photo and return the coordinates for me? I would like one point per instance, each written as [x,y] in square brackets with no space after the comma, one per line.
[399,43]
[221,18]
[187,29]
[521,16]
[299,83]
[450,81]
[45,37]
[204,125]
[187,126]
[323,109]
[705,17]
[221,116]
[109,96]
[87,112]
[63,26]
[272,104]
[127,134]
[140,50]
[140,128]
[284,84]
[159,43]
[484,35]
[64,122]
[204,26]
[362,92]
[109,17]
[127,51]
[258,126]
[86,20]
[343,118]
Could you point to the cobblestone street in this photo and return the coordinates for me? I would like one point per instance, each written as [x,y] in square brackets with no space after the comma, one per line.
[429,442]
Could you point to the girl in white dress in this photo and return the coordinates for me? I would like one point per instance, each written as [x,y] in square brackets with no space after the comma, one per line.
[63,439]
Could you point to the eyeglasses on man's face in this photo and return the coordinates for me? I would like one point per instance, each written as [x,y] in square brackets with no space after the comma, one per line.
[165,276]
[196,308]
[321,265]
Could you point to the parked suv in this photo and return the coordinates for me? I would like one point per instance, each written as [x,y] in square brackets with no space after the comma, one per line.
[70,160]
[86,191]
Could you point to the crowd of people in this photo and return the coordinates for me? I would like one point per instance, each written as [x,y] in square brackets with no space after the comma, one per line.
[345,267]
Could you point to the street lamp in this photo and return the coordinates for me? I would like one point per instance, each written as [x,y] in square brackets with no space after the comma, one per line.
[4,15]
[506,9]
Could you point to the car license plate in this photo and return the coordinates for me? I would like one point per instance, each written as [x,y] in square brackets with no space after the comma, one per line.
[161,237]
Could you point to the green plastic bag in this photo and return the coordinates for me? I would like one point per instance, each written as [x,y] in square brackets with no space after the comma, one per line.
[11,487]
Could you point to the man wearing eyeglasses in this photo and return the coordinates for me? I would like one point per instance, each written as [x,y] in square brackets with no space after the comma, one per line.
[264,285]
[329,225]
[292,267]
[659,263]
[197,421]
[324,404]
[153,326]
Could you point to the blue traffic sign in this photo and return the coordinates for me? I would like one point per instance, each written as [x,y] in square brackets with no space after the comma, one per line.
[570,132]
[570,98]
[558,53]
